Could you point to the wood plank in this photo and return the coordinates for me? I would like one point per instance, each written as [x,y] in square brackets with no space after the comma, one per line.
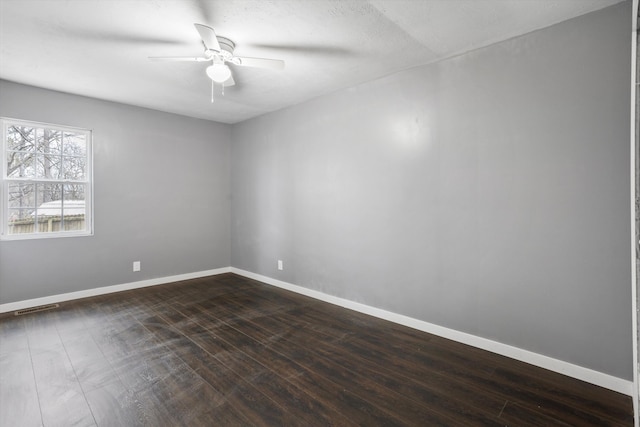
[381,404]
[218,356]
[13,334]
[114,405]
[19,403]
[61,398]
[405,395]
[41,330]
[603,403]
[445,356]
[241,395]
[92,369]
[426,384]
[517,415]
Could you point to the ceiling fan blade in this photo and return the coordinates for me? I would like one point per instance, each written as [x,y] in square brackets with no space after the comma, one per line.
[275,64]
[316,49]
[208,36]
[179,58]
[229,82]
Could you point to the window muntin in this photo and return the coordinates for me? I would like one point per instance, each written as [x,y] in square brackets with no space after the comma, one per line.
[46,180]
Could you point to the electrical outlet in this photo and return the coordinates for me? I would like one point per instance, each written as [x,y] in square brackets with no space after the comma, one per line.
[136,265]
[280,265]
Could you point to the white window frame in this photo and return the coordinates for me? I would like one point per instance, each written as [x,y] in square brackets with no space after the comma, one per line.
[5,123]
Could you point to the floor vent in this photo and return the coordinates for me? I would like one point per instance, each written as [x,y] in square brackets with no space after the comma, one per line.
[36,309]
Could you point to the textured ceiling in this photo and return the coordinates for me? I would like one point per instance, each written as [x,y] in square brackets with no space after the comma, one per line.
[99,48]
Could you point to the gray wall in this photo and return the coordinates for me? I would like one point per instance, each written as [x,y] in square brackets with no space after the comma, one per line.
[161,196]
[488,193]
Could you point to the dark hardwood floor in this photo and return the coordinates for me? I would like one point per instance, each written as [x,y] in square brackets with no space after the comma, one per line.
[226,351]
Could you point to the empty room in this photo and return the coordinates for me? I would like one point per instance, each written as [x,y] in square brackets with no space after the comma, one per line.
[318,212]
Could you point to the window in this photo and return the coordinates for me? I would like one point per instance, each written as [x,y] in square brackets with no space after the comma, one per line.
[46,180]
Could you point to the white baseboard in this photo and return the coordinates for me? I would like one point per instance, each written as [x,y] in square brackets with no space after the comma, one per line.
[585,374]
[19,305]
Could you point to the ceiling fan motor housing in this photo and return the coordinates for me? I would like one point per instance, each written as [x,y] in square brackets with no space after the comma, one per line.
[226,47]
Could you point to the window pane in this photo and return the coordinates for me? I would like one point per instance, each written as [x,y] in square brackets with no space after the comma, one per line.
[21,221]
[22,195]
[49,141]
[20,138]
[22,203]
[20,215]
[48,199]
[49,207]
[74,207]
[20,165]
[74,192]
[74,144]
[73,168]
[48,166]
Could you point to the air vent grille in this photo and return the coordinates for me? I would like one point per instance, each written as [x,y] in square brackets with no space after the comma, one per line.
[36,309]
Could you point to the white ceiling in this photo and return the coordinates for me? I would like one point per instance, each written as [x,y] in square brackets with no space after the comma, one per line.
[99,48]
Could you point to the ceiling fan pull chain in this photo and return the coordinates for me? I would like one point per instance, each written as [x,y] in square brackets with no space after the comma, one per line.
[212,91]
[222,89]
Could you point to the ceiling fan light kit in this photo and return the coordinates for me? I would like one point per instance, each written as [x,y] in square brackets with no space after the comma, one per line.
[219,50]
[219,72]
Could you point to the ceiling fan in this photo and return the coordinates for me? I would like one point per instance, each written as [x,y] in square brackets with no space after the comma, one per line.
[219,51]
